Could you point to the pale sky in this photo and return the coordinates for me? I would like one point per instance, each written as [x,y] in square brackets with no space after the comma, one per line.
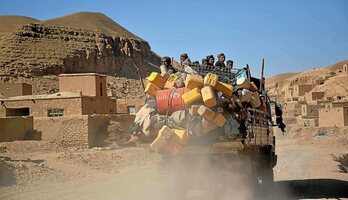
[292,35]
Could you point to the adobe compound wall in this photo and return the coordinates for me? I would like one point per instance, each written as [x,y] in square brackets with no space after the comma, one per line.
[79,131]
[15,128]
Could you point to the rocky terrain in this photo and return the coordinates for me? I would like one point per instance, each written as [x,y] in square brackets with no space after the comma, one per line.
[81,42]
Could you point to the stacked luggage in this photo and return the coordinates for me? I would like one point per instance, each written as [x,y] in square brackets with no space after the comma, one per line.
[199,108]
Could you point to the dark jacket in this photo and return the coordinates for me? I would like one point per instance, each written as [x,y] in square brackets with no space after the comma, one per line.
[221,65]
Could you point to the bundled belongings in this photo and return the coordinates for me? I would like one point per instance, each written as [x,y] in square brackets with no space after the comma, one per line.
[189,107]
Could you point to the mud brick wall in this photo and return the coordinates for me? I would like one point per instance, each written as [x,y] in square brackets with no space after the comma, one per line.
[15,128]
[122,105]
[39,107]
[89,84]
[15,89]
[335,116]
[78,131]
[98,105]
[308,122]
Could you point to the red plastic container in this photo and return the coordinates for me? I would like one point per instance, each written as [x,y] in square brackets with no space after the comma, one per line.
[169,101]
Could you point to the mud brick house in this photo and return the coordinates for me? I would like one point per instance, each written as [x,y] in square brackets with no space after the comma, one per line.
[342,103]
[314,96]
[310,111]
[309,115]
[80,94]
[293,109]
[15,89]
[343,70]
[301,90]
[73,117]
[333,116]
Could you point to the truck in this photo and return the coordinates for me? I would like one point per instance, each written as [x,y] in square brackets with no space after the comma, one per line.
[211,161]
[213,164]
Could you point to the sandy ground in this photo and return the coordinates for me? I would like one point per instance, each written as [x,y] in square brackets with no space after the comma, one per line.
[40,170]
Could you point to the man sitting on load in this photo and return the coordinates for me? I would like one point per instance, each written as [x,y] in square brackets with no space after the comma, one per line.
[167,67]
[221,61]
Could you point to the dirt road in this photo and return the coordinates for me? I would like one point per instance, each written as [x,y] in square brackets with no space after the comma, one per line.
[303,172]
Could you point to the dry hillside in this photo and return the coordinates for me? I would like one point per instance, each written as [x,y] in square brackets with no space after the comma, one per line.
[328,79]
[92,21]
[81,42]
[279,77]
[12,23]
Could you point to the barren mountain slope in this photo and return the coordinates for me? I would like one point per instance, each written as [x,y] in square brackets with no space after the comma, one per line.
[280,77]
[92,21]
[42,48]
[12,23]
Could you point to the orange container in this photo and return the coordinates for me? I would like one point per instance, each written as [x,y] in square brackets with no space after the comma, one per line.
[194,81]
[157,79]
[225,88]
[208,96]
[169,101]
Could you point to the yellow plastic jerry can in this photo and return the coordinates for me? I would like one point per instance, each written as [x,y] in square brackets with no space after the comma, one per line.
[156,79]
[193,81]
[170,83]
[211,79]
[181,135]
[164,134]
[192,96]
[225,88]
[151,89]
[208,96]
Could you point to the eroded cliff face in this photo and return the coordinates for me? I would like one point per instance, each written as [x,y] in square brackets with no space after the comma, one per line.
[37,50]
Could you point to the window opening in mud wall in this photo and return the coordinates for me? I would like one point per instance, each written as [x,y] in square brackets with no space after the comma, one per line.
[17,112]
[131,110]
[101,89]
[55,112]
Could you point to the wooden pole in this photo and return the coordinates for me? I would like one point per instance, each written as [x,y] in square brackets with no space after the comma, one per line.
[248,71]
[262,78]
[141,78]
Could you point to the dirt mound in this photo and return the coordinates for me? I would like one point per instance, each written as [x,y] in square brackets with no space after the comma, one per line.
[13,23]
[92,21]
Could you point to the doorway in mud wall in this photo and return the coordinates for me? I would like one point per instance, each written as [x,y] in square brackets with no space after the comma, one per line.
[17,112]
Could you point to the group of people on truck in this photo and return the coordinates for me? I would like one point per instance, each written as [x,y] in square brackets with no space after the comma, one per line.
[185,62]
